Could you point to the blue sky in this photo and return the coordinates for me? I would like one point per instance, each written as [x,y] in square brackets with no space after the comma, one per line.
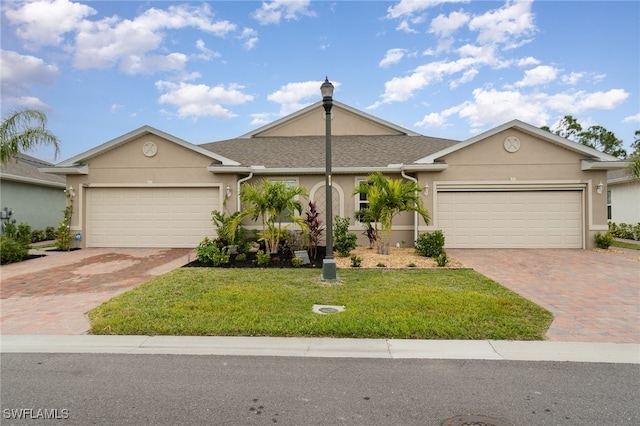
[208,71]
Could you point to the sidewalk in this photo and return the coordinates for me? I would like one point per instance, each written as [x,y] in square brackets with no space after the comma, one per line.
[627,353]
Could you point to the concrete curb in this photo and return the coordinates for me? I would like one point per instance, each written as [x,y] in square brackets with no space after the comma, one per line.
[625,353]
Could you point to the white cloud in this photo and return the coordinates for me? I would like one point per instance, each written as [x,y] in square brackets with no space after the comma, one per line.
[250,37]
[410,7]
[197,100]
[573,78]
[537,76]
[260,119]
[295,96]
[45,22]
[432,120]
[507,25]
[528,61]
[393,56]
[18,73]
[445,26]
[205,53]
[111,41]
[576,102]
[632,119]
[273,12]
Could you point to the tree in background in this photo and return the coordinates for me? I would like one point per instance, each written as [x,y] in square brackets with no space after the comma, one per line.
[596,137]
[22,131]
[634,158]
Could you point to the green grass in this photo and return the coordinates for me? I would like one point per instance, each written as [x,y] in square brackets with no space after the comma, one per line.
[623,244]
[404,304]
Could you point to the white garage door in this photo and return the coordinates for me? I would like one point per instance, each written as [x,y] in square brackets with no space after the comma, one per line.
[527,219]
[150,217]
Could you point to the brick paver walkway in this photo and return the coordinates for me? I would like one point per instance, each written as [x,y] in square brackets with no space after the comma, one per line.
[594,295]
[51,295]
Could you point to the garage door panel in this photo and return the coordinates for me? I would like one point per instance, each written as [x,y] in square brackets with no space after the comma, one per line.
[511,219]
[150,217]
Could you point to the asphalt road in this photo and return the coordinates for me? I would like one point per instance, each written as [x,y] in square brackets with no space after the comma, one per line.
[115,389]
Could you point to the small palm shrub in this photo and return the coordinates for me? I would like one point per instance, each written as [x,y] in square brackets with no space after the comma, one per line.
[430,244]
[356,261]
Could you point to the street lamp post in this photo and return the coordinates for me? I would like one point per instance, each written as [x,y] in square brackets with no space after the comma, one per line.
[328,263]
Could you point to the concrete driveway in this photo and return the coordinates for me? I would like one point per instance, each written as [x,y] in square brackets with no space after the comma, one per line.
[51,294]
[594,295]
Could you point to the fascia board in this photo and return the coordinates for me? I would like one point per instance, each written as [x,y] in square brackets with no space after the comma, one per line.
[77,170]
[603,165]
[392,168]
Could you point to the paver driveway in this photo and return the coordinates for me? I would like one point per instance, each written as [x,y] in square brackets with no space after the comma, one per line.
[594,295]
[50,295]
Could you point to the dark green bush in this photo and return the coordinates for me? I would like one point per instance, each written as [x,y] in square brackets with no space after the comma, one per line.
[209,252]
[24,233]
[10,230]
[37,236]
[263,259]
[12,250]
[430,244]
[625,230]
[605,240]
[344,241]
[50,233]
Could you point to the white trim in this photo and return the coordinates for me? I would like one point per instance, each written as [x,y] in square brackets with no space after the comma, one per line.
[603,165]
[391,168]
[79,170]
[152,185]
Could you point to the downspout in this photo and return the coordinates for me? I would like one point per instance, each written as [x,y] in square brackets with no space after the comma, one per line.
[238,189]
[415,214]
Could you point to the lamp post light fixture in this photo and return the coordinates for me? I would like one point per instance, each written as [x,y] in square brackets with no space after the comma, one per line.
[328,263]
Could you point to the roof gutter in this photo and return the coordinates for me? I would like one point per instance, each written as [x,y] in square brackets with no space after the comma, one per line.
[391,168]
[603,165]
[77,170]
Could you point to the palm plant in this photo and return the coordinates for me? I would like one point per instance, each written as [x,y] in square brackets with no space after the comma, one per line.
[22,131]
[272,203]
[388,198]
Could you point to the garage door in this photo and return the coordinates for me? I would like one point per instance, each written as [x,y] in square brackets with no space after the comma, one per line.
[150,217]
[526,219]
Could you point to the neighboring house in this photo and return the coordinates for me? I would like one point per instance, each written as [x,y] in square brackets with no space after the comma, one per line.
[513,186]
[36,198]
[623,197]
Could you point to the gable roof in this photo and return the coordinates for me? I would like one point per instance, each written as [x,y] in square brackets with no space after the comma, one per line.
[80,159]
[592,155]
[27,169]
[336,105]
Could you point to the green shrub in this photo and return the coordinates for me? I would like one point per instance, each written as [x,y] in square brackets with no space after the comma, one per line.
[625,230]
[37,236]
[12,250]
[356,261]
[241,257]
[411,265]
[264,259]
[63,237]
[10,230]
[24,234]
[604,241]
[210,253]
[430,244]
[50,233]
[381,265]
[442,259]
[296,262]
[344,241]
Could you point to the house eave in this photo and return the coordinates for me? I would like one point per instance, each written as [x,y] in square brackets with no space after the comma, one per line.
[77,170]
[391,168]
[32,181]
[603,165]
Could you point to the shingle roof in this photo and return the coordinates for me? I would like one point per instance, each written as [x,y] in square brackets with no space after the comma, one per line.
[347,151]
[25,166]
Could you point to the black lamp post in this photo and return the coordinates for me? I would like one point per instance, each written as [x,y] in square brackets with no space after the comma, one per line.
[328,263]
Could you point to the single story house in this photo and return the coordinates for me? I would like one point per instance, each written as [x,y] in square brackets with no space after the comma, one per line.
[35,198]
[623,197]
[512,186]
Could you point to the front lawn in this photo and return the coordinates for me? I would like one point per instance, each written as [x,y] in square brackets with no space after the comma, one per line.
[402,304]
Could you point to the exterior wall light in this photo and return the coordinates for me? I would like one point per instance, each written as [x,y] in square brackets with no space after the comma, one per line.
[600,188]
[71,192]
[228,191]
[426,189]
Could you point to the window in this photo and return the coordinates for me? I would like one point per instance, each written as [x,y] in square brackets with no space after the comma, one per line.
[362,201]
[609,204]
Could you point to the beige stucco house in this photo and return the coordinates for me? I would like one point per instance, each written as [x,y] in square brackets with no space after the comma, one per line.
[623,197]
[512,186]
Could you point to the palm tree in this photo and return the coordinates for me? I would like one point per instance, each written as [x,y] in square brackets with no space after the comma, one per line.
[388,198]
[272,203]
[22,131]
